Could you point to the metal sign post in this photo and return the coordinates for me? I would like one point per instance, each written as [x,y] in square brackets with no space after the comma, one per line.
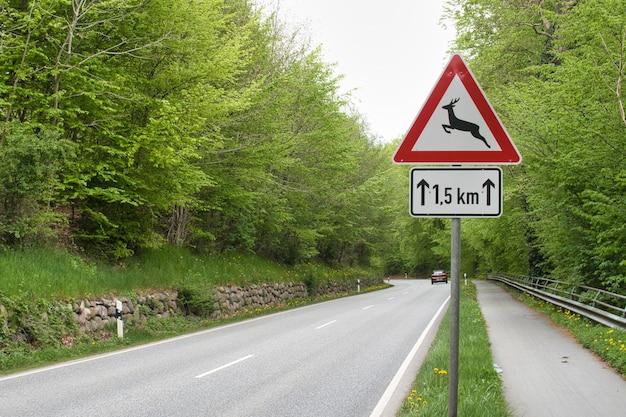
[456,125]
[455,305]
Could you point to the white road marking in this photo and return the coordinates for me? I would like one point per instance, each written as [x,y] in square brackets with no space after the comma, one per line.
[223,366]
[325,324]
[146,346]
[369,306]
[393,385]
[391,298]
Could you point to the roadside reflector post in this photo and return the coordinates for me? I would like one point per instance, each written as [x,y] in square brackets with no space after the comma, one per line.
[358,285]
[119,320]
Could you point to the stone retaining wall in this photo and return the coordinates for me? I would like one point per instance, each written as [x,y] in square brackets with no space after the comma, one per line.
[95,314]
[232,298]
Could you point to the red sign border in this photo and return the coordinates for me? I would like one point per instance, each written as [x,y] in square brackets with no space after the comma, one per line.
[508,155]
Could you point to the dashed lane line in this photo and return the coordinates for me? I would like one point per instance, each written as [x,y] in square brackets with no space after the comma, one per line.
[325,324]
[223,366]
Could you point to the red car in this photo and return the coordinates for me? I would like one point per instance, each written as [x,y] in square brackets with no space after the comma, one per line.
[438,276]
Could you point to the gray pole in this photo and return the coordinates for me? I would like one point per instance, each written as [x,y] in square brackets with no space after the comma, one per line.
[455,302]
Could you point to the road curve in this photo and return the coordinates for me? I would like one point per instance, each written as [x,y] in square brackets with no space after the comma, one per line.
[336,358]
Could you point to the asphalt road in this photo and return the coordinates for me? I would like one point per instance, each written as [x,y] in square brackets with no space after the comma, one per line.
[545,372]
[344,357]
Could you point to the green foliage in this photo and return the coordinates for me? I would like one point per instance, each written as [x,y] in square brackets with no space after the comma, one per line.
[193,123]
[552,70]
[129,125]
[38,273]
[30,162]
[196,300]
[34,324]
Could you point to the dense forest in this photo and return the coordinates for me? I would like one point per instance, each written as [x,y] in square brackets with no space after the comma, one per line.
[214,126]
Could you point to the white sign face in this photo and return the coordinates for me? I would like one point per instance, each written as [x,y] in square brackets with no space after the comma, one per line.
[455,111]
[456,192]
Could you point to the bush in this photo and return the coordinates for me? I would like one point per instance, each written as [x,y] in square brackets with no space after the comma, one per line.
[196,300]
[38,324]
[29,167]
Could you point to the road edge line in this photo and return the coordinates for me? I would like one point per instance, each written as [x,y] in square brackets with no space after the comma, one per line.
[395,382]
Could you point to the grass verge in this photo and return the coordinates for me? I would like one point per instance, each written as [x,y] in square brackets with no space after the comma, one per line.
[19,357]
[480,387]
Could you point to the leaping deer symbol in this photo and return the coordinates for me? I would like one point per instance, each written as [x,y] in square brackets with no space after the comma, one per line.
[462,125]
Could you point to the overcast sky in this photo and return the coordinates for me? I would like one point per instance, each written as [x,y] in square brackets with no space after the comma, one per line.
[390,52]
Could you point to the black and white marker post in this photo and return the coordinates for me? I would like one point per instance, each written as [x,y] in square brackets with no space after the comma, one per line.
[119,320]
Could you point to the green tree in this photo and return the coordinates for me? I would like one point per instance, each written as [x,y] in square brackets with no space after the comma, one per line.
[554,71]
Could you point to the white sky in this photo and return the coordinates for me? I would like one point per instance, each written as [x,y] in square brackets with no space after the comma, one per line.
[391,53]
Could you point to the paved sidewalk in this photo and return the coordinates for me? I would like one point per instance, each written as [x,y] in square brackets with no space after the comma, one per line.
[545,372]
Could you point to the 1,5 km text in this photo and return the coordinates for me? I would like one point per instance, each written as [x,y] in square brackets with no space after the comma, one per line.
[456,192]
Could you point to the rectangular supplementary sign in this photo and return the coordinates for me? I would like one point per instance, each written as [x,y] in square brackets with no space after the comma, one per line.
[456,192]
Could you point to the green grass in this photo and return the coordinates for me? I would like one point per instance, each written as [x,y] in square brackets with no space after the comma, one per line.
[480,387]
[55,274]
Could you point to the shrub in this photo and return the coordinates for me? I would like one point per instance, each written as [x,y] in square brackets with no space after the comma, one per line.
[196,300]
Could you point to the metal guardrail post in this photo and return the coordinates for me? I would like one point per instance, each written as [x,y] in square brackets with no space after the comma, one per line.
[593,303]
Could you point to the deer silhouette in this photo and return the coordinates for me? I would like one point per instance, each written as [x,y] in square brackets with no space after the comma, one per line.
[462,125]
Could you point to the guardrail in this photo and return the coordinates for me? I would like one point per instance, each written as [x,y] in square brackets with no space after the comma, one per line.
[601,306]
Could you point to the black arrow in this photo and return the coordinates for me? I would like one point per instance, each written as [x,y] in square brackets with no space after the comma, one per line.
[424,185]
[489,184]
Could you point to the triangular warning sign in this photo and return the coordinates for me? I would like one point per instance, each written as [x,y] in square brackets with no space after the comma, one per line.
[457,125]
